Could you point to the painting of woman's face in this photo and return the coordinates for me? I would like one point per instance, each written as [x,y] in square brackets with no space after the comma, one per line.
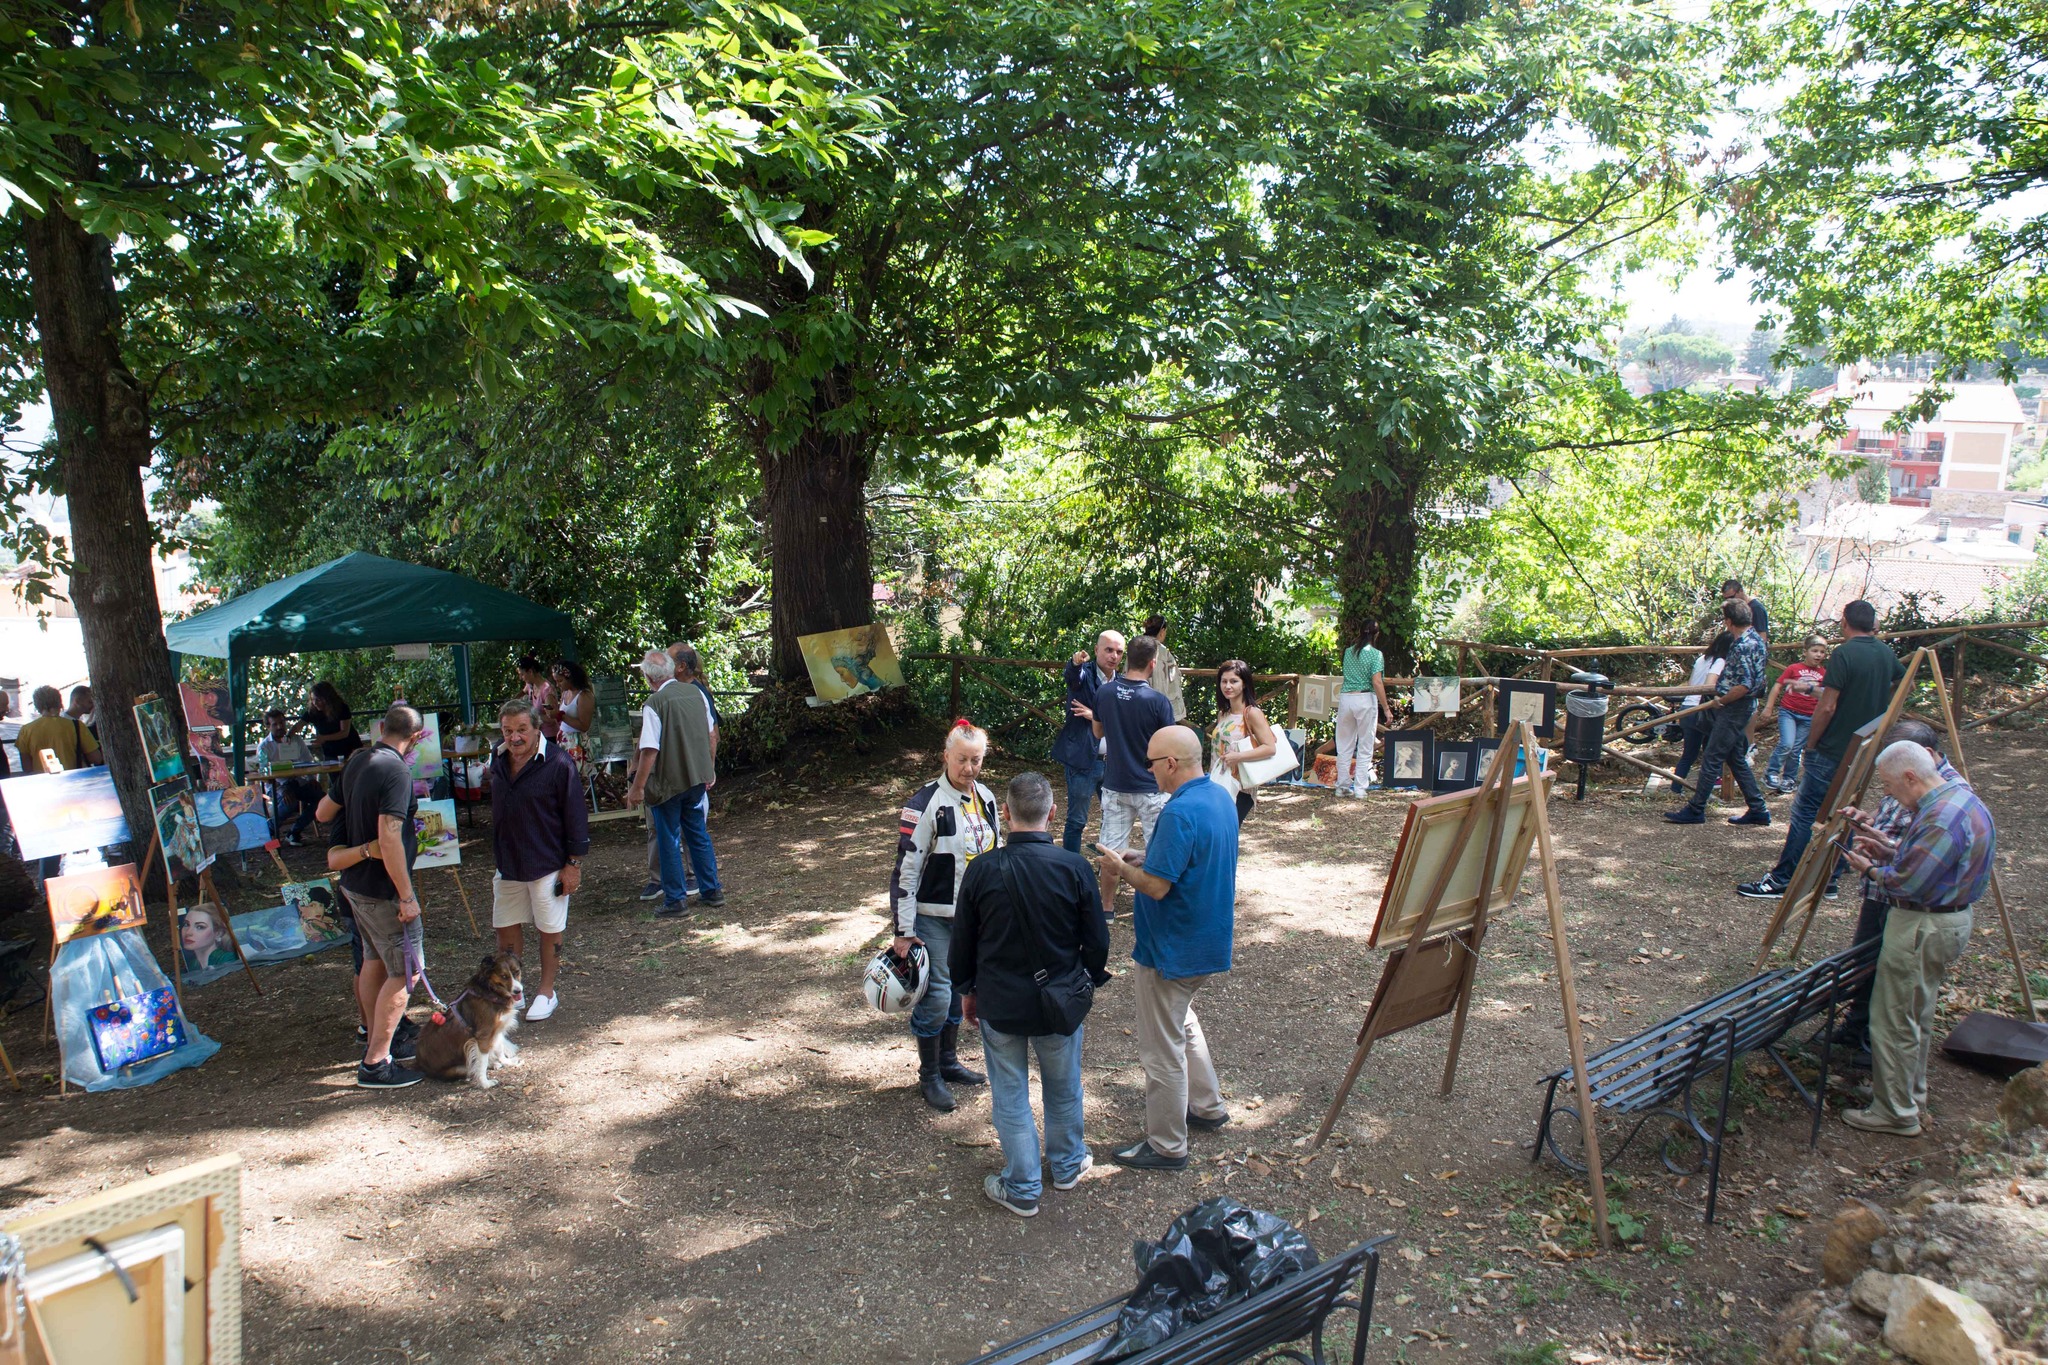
[1408,761]
[198,931]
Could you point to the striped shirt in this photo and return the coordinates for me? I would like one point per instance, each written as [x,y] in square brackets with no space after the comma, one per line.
[1944,862]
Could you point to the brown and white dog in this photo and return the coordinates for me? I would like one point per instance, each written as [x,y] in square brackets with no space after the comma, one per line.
[477,1030]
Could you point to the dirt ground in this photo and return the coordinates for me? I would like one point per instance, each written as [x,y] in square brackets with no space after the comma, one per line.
[715,1153]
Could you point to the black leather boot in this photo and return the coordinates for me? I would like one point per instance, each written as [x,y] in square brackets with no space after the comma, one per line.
[949,1059]
[930,1082]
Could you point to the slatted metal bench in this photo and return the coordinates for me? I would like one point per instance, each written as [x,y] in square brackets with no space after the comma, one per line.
[1657,1072]
[1259,1328]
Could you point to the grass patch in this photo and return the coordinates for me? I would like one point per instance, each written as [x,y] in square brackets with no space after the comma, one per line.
[1535,1353]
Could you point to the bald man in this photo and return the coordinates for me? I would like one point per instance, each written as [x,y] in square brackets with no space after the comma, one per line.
[1185,911]
[1931,874]
[1077,749]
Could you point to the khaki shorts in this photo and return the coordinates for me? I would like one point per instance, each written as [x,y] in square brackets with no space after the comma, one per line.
[1123,812]
[523,903]
[378,926]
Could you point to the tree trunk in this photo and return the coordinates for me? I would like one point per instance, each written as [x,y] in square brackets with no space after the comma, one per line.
[821,577]
[1377,562]
[101,417]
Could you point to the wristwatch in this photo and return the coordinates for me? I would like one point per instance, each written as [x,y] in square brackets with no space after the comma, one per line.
[575,862]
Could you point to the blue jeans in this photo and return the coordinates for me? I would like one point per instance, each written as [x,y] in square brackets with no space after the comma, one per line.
[1784,767]
[1813,788]
[1082,785]
[1008,1059]
[679,818]
[940,1008]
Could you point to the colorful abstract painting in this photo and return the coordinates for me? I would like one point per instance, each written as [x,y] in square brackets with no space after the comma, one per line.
[95,902]
[232,821]
[55,813]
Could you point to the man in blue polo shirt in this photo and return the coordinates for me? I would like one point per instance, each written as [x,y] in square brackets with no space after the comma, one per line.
[1186,908]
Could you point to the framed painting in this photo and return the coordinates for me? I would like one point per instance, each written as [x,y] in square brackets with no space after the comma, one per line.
[1483,751]
[55,813]
[177,827]
[314,903]
[207,706]
[1854,770]
[1408,759]
[1532,703]
[160,739]
[434,828]
[1435,695]
[1457,765]
[1425,846]
[214,773]
[95,902]
[850,663]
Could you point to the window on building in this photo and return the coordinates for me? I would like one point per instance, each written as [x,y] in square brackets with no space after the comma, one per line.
[2013,534]
[1824,560]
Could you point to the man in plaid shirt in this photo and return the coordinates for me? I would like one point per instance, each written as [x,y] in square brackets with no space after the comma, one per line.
[1890,821]
[1931,876]
[1742,682]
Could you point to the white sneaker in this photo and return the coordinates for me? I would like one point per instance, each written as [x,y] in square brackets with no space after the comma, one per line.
[542,1007]
[1087,1165]
[1358,793]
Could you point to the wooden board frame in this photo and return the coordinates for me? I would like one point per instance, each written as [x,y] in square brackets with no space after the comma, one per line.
[1430,836]
[1397,1006]
[206,1199]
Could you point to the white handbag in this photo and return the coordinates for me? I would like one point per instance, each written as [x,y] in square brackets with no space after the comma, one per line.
[1260,771]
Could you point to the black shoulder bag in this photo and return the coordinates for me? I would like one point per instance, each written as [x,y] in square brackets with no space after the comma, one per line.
[1064,999]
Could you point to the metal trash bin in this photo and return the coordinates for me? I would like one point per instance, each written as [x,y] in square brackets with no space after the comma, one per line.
[1585,722]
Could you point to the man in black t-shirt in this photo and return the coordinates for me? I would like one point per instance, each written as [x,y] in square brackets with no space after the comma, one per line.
[1128,712]
[1857,688]
[375,862]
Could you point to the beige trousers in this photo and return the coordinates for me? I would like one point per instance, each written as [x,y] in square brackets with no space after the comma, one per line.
[1918,948]
[1178,1073]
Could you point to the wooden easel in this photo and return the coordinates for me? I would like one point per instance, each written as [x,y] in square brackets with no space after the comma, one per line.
[1412,991]
[1810,879]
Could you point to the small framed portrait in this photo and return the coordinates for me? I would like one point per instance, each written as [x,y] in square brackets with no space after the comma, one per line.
[1409,759]
[1435,696]
[1483,751]
[1457,764]
[1532,703]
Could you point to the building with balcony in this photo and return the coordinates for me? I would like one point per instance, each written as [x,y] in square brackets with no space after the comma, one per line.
[1967,446]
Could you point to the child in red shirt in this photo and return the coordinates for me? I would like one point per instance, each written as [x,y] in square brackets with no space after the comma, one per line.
[1794,697]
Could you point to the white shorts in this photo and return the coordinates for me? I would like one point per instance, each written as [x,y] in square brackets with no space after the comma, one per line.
[1123,812]
[535,903]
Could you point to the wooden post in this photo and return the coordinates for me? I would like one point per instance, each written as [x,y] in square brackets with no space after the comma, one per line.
[474,932]
[1962,767]
[12,1079]
[1955,696]
[953,702]
[1553,900]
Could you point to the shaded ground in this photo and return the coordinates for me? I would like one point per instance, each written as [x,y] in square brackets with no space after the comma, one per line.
[714,1154]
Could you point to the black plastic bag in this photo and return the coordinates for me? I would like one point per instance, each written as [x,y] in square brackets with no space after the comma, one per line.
[1215,1254]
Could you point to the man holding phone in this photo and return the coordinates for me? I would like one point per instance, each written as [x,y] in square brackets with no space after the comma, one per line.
[540,830]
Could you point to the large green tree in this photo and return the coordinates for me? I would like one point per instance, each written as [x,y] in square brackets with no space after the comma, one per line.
[167,167]
[1895,204]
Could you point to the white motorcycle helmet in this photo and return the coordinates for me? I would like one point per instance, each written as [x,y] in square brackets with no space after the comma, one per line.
[895,984]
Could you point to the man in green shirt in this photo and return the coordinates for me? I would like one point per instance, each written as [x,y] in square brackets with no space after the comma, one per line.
[1857,688]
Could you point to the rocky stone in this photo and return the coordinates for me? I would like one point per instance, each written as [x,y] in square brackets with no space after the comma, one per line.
[1850,1235]
[1938,1326]
[1872,1292]
[1889,1255]
[1936,1250]
[2024,1104]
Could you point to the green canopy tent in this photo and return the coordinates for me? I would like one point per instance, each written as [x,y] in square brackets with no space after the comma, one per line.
[361,601]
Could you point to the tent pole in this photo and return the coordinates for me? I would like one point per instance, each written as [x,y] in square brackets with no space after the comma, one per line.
[238,698]
[462,684]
